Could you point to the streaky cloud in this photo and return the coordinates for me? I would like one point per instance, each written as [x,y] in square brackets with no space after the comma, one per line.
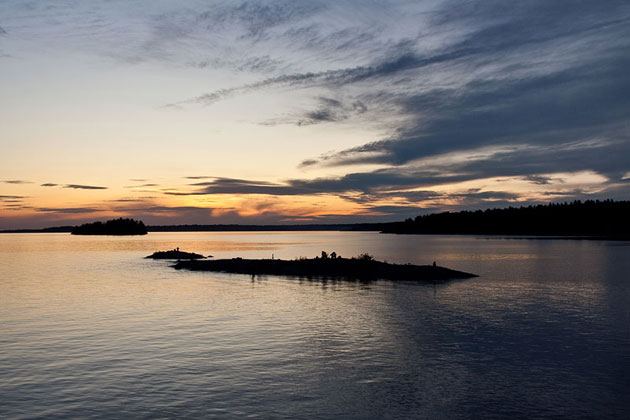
[403,183]
[83,187]
[17,182]
[142,185]
[68,210]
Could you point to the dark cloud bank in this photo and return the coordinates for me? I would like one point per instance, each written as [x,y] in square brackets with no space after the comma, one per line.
[543,85]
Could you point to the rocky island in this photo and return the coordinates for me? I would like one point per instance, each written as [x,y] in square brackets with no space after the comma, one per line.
[112,227]
[175,254]
[363,268]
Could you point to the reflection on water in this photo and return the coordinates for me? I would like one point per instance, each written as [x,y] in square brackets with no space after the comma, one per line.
[91,329]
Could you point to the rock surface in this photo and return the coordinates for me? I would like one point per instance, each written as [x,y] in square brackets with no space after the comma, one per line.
[347,268]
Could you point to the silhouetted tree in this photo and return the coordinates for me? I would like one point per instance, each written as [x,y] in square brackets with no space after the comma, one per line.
[112,227]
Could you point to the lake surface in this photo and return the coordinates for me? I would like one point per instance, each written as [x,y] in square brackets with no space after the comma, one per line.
[90,329]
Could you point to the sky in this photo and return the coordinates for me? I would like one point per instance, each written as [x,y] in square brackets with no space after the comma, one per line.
[284,112]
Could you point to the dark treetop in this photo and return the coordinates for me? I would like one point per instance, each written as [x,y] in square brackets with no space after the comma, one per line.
[112,227]
[363,268]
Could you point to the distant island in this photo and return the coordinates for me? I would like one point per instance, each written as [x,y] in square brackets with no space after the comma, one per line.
[175,254]
[112,227]
[363,268]
[595,219]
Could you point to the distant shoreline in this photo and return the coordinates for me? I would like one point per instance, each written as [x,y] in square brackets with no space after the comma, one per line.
[335,228]
[593,220]
[365,227]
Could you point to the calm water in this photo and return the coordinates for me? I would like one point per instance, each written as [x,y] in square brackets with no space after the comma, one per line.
[89,329]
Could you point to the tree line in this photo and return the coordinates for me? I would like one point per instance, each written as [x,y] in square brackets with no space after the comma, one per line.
[577,218]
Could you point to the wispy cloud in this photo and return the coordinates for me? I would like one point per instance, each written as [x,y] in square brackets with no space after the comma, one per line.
[387,68]
[328,110]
